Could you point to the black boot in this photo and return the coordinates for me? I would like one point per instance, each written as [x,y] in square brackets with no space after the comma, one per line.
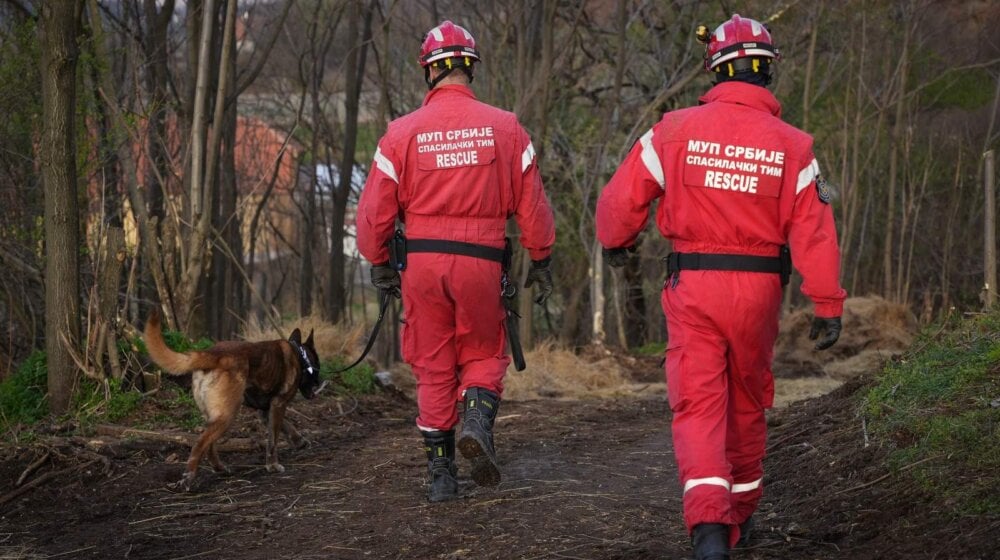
[711,541]
[745,529]
[476,443]
[440,447]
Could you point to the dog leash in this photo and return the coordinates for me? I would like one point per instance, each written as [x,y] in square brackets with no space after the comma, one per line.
[383,306]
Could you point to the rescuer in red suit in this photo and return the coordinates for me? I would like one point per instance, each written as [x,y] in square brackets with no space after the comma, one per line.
[453,172]
[737,185]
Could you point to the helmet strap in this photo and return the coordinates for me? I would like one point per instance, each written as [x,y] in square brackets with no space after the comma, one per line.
[449,67]
[752,70]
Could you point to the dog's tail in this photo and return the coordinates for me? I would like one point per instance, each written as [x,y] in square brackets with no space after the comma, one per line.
[175,363]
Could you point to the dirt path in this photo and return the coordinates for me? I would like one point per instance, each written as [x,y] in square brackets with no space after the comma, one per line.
[590,479]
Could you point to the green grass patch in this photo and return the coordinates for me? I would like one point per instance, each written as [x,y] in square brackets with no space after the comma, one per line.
[939,408]
[96,402]
[176,341]
[358,380]
[22,396]
[651,349]
[180,409]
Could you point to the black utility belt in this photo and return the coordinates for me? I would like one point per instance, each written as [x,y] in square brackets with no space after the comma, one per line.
[455,248]
[781,264]
[400,246]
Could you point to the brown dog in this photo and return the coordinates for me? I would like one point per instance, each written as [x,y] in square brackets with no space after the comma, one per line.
[264,375]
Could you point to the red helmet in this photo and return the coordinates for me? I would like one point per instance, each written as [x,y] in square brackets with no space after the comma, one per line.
[737,38]
[447,41]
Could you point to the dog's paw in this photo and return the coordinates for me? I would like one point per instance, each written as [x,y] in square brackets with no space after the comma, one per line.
[275,468]
[222,469]
[182,485]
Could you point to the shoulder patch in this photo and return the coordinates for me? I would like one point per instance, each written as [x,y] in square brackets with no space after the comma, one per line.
[823,190]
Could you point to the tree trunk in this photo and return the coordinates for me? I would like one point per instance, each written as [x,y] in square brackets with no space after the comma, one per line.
[156,76]
[58,26]
[354,72]
[228,288]
[610,120]
[308,241]
[888,281]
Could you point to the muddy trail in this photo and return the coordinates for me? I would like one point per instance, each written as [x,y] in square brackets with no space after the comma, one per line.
[582,479]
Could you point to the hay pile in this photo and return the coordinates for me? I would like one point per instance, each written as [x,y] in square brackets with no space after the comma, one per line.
[874,330]
[555,372]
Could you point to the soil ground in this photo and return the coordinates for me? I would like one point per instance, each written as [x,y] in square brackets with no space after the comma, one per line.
[582,479]
[586,478]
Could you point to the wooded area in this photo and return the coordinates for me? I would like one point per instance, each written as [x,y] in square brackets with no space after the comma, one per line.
[206,155]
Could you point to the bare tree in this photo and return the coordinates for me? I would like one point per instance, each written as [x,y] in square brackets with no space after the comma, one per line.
[58,26]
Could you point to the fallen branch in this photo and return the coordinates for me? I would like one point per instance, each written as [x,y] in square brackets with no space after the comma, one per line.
[31,468]
[885,476]
[783,439]
[41,480]
[186,440]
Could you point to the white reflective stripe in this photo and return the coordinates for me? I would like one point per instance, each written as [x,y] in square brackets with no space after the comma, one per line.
[651,158]
[527,157]
[714,480]
[747,486]
[385,166]
[807,176]
[426,429]
[436,32]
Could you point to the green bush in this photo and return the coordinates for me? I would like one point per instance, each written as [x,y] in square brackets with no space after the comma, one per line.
[359,379]
[109,401]
[176,341]
[651,349]
[22,396]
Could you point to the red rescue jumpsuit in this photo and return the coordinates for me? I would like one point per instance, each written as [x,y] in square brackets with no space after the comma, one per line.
[734,179]
[454,169]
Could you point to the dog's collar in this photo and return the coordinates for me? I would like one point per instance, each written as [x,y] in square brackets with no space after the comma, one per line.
[304,362]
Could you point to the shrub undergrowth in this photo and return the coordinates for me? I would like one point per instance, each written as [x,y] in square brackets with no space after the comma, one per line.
[939,408]
[360,379]
[22,396]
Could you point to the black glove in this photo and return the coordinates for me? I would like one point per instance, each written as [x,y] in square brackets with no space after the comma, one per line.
[385,277]
[541,272]
[830,326]
[618,256]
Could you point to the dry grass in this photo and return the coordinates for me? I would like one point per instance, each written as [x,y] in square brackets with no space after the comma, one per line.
[330,339]
[557,372]
[552,372]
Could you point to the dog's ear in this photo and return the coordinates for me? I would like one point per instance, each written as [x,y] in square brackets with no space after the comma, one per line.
[296,337]
[309,340]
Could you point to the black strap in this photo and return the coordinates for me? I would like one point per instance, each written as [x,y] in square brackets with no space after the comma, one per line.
[781,264]
[383,306]
[455,248]
[711,261]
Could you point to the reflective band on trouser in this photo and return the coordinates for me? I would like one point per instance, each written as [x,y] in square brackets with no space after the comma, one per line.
[807,176]
[747,486]
[385,166]
[714,481]
[651,159]
[527,157]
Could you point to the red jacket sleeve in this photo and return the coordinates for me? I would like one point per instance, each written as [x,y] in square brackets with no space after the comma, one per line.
[532,211]
[379,205]
[812,239]
[623,207]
